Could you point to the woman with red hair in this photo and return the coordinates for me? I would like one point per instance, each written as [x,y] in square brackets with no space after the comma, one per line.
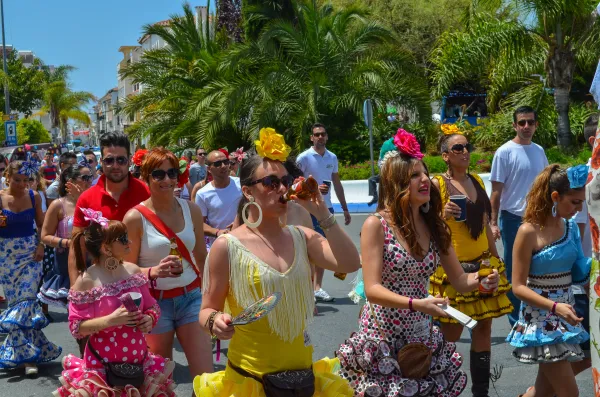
[159,226]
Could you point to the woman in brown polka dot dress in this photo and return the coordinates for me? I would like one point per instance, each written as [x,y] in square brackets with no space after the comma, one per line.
[402,245]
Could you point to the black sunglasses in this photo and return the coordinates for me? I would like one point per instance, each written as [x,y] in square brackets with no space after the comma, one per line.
[319,134]
[460,148]
[201,154]
[123,239]
[219,163]
[86,178]
[273,182]
[523,122]
[121,160]
[159,175]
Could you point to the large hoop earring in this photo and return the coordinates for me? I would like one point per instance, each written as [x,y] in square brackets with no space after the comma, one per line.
[111,263]
[425,208]
[252,225]
[554,209]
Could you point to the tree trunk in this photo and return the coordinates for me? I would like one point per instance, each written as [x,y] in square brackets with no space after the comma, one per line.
[563,126]
[560,66]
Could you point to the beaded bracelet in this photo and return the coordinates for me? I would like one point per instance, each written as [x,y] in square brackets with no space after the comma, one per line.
[211,321]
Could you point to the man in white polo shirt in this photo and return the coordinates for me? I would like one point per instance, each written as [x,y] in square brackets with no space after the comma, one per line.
[323,166]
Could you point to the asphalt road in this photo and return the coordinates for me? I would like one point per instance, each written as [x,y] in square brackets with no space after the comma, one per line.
[334,323]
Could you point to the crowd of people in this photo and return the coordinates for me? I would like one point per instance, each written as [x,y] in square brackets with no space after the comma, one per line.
[147,247]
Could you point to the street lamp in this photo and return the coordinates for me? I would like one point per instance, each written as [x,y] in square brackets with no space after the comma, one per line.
[6,93]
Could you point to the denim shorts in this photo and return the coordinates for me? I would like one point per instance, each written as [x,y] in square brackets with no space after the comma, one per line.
[316,224]
[582,308]
[179,311]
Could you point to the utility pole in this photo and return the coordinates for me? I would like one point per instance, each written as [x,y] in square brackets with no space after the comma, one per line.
[6,93]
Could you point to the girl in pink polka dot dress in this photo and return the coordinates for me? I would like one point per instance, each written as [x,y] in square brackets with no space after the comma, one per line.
[115,334]
[401,247]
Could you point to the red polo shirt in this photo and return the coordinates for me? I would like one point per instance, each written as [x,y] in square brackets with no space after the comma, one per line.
[98,199]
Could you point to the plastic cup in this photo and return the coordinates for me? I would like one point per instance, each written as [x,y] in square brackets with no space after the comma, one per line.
[137,299]
[461,201]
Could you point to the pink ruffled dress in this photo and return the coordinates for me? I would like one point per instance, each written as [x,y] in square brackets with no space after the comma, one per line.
[87,377]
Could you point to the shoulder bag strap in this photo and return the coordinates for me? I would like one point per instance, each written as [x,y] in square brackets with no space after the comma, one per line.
[167,232]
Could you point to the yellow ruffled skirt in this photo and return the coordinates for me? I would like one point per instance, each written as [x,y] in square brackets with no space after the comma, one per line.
[229,383]
[472,304]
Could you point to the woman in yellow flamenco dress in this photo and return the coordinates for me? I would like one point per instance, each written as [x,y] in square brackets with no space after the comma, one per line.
[261,257]
[471,239]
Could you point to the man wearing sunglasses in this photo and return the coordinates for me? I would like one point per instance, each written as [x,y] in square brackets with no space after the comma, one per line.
[514,168]
[91,159]
[116,191]
[219,199]
[323,166]
[66,160]
[198,169]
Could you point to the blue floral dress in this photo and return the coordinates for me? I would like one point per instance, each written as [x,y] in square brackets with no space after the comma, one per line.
[540,336]
[20,276]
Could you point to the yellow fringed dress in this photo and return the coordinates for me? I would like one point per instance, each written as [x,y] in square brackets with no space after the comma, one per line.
[469,250]
[278,342]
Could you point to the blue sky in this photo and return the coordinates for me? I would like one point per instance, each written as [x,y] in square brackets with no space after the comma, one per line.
[84,33]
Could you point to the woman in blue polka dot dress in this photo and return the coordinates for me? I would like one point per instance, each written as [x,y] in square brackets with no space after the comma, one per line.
[20,273]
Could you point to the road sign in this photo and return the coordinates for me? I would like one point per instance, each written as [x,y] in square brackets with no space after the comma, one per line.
[10,117]
[10,132]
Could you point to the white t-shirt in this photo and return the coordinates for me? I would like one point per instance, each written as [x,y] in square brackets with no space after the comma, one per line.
[320,167]
[517,166]
[219,206]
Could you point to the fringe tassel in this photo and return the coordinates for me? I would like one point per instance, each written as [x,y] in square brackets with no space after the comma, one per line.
[294,312]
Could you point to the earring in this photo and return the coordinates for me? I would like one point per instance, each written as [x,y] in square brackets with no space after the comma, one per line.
[252,225]
[554,209]
[425,208]
[111,263]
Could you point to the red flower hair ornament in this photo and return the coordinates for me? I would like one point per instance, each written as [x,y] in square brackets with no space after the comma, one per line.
[138,157]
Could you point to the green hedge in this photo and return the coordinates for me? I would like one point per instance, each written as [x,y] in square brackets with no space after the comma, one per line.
[481,162]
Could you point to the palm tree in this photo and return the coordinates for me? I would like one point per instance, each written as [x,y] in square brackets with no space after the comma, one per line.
[550,37]
[64,104]
[170,76]
[319,66]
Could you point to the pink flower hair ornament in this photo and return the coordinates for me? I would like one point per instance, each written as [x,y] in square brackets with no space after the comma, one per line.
[94,216]
[402,143]
[239,154]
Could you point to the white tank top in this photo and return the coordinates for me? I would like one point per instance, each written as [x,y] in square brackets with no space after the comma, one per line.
[155,247]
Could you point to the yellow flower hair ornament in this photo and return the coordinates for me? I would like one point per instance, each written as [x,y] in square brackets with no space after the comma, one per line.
[450,129]
[271,145]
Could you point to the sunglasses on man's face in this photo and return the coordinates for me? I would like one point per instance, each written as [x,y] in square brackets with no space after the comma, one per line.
[201,154]
[460,148]
[220,163]
[159,175]
[123,239]
[523,122]
[319,134]
[273,182]
[110,161]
